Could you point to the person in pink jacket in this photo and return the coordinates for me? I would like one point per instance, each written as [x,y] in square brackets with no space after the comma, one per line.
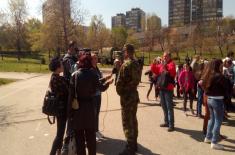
[186,82]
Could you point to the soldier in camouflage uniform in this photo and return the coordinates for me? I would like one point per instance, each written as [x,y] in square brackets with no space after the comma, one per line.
[128,80]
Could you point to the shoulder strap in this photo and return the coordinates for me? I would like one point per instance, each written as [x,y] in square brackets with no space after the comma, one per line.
[49,87]
[76,79]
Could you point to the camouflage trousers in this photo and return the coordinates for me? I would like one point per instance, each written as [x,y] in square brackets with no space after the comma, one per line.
[129,106]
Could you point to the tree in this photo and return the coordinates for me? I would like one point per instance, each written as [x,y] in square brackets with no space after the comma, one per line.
[2,18]
[18,14]
[33,27]
[196,38]
[98,35]
[153,28]
[119,37]
[221,30]
[7,36]
[61,23]
[133,38]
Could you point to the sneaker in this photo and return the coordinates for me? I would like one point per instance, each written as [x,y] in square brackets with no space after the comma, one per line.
[217,146]
[164,125]
[97,139]
[206,140]
[185,113]
[171,129]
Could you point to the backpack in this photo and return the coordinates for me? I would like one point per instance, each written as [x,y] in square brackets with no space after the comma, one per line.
[52,106]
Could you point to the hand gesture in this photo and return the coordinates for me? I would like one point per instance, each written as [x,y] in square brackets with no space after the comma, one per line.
[108,77]
[110,81]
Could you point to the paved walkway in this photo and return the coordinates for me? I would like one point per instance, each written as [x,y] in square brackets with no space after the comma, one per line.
[19,76]
[24,130]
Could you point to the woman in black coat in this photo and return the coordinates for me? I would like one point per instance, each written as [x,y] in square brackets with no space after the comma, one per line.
[59,86]
[86,82]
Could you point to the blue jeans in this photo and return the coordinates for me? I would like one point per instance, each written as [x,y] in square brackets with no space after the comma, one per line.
[166,98]
[216,107]
[200,93]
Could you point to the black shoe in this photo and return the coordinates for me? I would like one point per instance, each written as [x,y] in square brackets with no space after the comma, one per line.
[200,116]
[135,147]
[164,125]
[171,129]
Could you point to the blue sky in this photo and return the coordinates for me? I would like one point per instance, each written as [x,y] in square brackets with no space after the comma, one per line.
[108,8]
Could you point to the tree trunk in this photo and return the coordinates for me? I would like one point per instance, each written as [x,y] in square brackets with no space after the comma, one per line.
[161,44]
[64,26]
[221,51]
[149,57]
[227,47]
[18,43]
[49,54]
[200,51]
[210,51]
[18,49]
[195,50]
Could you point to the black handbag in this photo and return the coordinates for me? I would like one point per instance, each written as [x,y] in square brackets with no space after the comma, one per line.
[52,106]
[164,79]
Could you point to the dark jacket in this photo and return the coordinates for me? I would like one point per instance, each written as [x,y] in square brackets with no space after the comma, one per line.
[87,85]
[59,86]
[68,63]
[218,87]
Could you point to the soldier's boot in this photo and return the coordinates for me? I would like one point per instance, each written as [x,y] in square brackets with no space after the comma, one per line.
[128,151]
[135,147]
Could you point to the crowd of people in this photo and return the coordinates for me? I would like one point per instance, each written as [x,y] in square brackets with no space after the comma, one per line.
[211,83]
[80,87]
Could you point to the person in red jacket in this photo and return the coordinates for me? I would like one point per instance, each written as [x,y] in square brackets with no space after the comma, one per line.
[167,73]
[186,82]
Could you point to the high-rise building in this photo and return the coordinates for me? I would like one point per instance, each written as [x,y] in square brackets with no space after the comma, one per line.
[183,12]
[57,8]
[206,10]
[136,20]
[119,20]
[179,12]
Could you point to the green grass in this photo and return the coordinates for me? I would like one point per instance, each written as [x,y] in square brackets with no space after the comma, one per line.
[6,81]
[25,65]
[182,55]
[33,66]
[105,66]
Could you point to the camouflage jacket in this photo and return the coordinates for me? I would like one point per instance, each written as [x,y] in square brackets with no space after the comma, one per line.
[129,77]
